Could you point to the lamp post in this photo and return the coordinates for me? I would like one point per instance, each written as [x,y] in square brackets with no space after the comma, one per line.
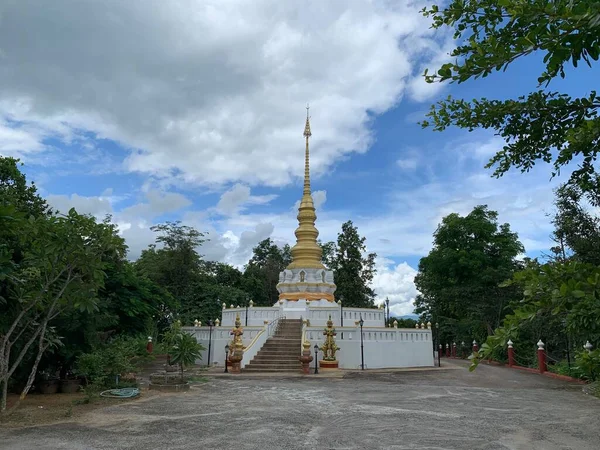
[247,304]
[362,350]
[437,333]
[210,325]
[387,303]
[316,347]
[226,357]
[341,315]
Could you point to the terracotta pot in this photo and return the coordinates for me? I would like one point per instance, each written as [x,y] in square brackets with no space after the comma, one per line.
[48,386]
[69,386]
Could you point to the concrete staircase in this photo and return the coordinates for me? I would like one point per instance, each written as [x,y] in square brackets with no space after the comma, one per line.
[281,351]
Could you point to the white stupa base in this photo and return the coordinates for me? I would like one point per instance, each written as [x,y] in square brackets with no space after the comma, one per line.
[299,309]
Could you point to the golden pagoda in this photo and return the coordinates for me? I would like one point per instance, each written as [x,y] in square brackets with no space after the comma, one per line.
[306,278]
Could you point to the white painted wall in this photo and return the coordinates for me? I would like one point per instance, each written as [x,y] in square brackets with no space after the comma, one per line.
[318,315]
[219,339]
[383,347]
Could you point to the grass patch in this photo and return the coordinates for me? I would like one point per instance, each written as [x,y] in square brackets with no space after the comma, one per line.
[197,379]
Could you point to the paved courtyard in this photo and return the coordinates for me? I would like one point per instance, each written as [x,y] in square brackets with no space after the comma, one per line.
[492,408]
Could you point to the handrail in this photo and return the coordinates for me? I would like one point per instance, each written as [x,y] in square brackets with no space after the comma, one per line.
[274,324]
[255,339]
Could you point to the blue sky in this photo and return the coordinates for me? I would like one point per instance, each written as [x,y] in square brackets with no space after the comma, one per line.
[194,111]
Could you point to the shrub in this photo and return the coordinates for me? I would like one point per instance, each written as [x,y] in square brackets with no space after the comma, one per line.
[102,365]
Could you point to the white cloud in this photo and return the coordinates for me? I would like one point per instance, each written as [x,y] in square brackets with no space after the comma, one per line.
[234,199]
[438,53]
[18,141]
[157,203]
[210,92]
[397,284]
[96,206]
[407,163]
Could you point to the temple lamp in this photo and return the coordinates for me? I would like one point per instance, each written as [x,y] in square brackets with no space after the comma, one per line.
[210,325]
[362,351]
[226,357]
[316,347]
[387,303]
[437,333]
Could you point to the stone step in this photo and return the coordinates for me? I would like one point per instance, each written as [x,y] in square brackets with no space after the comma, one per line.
[267,358]
[283,339]
[260,366]
[284,342]
[254,370]
[282,348]
[279,351]
[276,363]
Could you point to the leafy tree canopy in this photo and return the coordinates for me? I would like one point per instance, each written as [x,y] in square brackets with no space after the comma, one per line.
[262,271]
[352,266]
[16,192]
[459,279]
[544,125]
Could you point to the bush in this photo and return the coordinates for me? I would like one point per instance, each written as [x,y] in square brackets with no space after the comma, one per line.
[588,363]
[121,355]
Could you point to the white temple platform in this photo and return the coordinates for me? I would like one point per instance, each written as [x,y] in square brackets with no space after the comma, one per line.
[382,347]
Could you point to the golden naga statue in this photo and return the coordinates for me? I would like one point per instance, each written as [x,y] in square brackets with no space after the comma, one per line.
[236,349]
[329,347]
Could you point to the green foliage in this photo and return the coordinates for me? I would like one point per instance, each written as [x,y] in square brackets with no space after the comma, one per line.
[352,267]
[185,351]
[564,299]
[261,274]
[65,285]
[543,125]
[175,266]
[588,364]
[403,322]
[106,362]
[577,230]
[15,192]
[459,280]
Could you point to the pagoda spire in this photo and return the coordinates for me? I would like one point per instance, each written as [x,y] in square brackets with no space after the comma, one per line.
[307,252]
[307,134]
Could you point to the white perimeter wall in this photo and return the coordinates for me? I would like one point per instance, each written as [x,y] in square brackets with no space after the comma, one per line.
[219,339]
[383,347]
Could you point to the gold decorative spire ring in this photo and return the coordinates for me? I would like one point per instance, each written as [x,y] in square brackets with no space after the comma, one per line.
[306,253]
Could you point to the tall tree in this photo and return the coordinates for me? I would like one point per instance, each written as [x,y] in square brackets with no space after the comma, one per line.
[459,280]
[176,265]
[577,229]
[327,253]
[353,268]
[262,271]
[15,191]
[61,268]
[544,125]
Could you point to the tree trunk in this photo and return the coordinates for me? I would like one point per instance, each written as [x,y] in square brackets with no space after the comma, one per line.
[41,349]
[4,395]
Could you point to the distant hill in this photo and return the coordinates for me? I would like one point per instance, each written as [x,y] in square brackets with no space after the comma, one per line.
[410,316]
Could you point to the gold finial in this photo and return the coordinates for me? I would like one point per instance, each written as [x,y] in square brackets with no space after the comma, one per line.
[306,253]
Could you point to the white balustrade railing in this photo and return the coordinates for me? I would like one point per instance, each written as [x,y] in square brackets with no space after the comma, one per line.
[375,334]
[257,315]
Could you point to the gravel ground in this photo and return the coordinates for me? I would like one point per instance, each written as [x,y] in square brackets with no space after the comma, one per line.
[492,408]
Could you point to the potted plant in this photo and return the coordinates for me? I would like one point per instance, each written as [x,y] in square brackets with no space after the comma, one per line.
[169,338]
[70,384]
[48,383]
[186,351]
